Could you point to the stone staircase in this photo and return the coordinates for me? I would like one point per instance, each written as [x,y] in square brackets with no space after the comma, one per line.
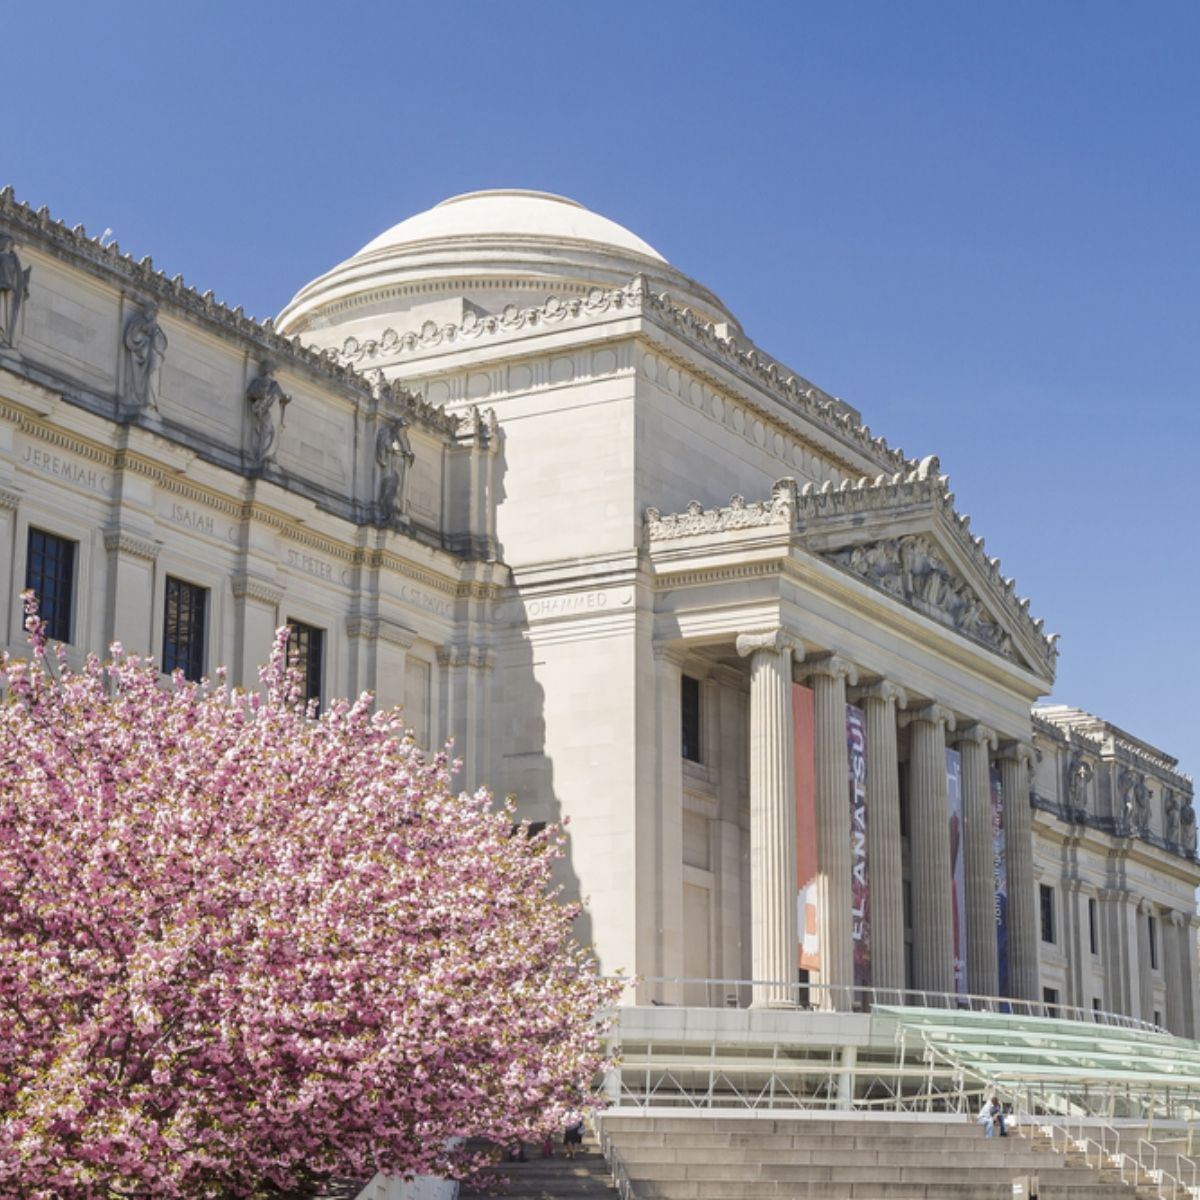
[830,1158]
[586,1175]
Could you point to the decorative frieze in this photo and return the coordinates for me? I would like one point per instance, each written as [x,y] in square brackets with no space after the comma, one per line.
[912,569]
[778,511]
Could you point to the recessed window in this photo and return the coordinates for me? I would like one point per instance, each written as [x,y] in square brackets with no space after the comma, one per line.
[183,628]
[305,651]
[1093,934]
[1152,931]
[50,573]
[690,718]
[1050,999]
[1047,897]
[1096,1004]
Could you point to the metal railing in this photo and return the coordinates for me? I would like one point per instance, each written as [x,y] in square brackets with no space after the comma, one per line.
[616,1167]
[695,992]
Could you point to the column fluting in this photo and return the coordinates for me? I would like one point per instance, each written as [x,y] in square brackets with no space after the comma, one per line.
[983,958]
[773,935]
[884,859]
[929,842]
[1023,941]
[828,677]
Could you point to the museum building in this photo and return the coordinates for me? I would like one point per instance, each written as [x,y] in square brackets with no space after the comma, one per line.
[508,467]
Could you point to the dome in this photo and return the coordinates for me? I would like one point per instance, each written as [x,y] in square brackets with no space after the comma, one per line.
[480,253]
[515,212]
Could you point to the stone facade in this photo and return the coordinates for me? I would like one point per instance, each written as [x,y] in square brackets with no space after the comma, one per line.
[528,479]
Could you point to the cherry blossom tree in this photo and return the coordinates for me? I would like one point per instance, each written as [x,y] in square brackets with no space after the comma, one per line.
[244,950]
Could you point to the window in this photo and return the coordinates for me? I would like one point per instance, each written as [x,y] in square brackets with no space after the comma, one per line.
[1152,932]
[1093,937]
[1050,999]
[690,714]
[304,652]
[1047,895]
[50,572]
[1157,1017]
[1096,1004]
[903,781]
[183,628]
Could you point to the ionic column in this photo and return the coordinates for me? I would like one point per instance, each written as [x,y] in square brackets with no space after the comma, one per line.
[884,860]
[929,842]
[1190,983]
[828,677]
[983,959]
[774,947]
[1023,946]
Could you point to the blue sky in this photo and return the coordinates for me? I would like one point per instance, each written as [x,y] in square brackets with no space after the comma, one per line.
[975,221]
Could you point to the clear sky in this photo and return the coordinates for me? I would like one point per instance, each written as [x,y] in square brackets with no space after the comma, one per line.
[974,220]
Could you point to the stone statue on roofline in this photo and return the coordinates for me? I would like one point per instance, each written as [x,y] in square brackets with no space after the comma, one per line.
[394,457]
[14,291]
[262,395]
[145,346]
[1079,775]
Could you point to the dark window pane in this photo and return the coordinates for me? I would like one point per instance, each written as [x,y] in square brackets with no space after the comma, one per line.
[1047,898]
[304,653]
[1152,929]
[690,706]
[183,628]
[50,572]
[1093,936]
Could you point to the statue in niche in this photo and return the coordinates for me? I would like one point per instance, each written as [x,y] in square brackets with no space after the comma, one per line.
[1141,805]
[1079,775]
[1187,828]
[1171,817]
[14,290]
[145,346]
[262,395]
[395,457]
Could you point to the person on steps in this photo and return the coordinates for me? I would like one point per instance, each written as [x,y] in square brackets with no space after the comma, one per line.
[991,1117]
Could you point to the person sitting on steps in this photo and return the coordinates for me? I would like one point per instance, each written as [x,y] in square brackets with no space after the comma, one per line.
[991,1116]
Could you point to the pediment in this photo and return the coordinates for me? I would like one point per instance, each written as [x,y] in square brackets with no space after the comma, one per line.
[903,537]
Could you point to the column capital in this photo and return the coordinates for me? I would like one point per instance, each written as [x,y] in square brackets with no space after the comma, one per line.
[776,639]
[978,733]
[1175,917]
[1017,751]
[671,652]
[834,666]
[121,541]
[9,499]
[933,714]
[1145,907]
[882,689]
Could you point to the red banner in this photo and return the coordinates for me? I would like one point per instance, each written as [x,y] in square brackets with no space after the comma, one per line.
[803,729]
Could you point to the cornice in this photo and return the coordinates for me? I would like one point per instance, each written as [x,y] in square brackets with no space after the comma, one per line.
[795,393]
[836,513]
[39,229]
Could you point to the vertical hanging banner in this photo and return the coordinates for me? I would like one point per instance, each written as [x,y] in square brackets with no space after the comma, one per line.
[958,888]
[803,733]
[860,883]
[1000,866]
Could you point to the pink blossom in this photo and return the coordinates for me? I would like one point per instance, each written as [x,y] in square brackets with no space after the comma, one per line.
[243,950]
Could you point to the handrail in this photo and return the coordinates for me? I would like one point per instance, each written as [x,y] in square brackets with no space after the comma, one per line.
[669,990]
[616,1166]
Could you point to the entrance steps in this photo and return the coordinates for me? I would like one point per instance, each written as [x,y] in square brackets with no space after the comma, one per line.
[751,1158]
[583,1177]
